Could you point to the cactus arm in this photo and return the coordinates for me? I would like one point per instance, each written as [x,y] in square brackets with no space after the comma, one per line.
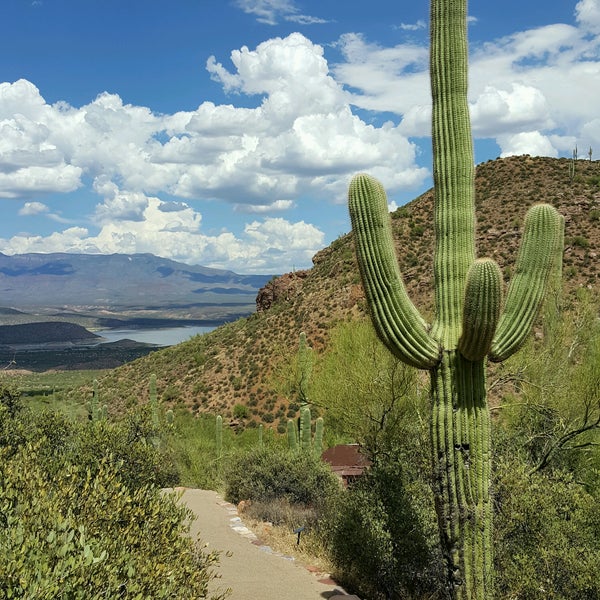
[453,166]
[536,258]
[396,320]
[483,295]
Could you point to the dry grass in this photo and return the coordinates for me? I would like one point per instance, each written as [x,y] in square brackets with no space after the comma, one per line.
[282,539]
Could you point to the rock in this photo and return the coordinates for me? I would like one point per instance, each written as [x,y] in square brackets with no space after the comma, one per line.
[285,287]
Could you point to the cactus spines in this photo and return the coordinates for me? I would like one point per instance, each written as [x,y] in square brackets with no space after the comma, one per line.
[469,324]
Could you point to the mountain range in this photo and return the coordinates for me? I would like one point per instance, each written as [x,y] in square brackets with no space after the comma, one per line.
[118,287]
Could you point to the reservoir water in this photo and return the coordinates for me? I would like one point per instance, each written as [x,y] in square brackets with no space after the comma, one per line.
[160,337]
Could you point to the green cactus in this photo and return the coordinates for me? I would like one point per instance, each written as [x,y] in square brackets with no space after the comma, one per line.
[219,436]
[318,441]
[305,429]
[468,325]
[170,418]
[95,411]
[292,435]
[154,402]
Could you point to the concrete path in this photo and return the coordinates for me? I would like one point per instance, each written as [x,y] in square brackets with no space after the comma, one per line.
[252,571]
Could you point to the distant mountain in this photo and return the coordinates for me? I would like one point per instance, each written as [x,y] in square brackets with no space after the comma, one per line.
[120,283]
[45,333]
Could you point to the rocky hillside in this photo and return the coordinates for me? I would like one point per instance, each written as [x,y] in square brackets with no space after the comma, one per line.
[244,362]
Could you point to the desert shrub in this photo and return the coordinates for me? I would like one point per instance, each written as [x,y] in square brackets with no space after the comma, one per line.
[281,512]
[546,535]
[382,539]
[240,411]
[131,445]
[68,530]
[10,398]
[267,474]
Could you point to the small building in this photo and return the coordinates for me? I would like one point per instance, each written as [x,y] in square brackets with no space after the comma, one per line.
[346,461]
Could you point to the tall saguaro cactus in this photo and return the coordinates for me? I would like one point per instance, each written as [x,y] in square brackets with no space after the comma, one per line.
[470,324]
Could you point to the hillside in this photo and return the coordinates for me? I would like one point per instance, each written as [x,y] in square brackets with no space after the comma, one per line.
[245,361]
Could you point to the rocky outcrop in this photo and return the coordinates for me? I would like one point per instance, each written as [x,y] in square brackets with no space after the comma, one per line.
[284,287]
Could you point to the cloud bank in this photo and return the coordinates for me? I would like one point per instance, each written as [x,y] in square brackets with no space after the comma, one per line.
[311,124]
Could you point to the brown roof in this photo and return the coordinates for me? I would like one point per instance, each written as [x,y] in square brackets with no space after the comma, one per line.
[345,455]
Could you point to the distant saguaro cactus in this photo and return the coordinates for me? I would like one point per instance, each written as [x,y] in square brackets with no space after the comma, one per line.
[305,428]
[318,441]
[219,436]
[469,324]
[95,411]
[154,402]
[305,364]
[292,435]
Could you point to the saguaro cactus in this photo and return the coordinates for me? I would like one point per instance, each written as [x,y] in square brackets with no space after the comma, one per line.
[219,437]
[154,402]
[305,429]
[469,324]
[305,363]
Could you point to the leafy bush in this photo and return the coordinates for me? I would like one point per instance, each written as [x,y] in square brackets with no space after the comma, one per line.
[382,539]
[546,535]
[130,445]
[83,531]
[266,474]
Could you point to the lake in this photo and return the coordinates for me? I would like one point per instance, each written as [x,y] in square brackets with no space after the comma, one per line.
[168,336]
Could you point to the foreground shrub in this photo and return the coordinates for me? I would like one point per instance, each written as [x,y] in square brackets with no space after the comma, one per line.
[266,474]
[129,445]
[79,535]
[381,537]
[546,535]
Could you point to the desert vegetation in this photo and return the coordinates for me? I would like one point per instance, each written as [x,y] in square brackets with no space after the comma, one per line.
[479,416]
[379,537]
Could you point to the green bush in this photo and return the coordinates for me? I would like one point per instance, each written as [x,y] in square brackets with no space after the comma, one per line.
[546,535]
[130,445]
[266,474]
[381,537]
[81,531]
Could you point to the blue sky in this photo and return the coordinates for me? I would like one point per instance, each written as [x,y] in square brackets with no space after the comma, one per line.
[224,132]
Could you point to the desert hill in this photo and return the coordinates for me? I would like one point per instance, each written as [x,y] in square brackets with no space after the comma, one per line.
[240,362]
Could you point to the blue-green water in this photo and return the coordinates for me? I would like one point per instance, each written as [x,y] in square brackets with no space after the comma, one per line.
[160,337]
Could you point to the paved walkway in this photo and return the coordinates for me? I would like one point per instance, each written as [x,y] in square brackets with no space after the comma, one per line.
[252,571]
